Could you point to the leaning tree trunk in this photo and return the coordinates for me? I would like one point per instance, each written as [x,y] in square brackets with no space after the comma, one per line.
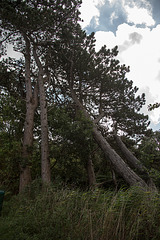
[134,162]
[119,166]
[45,163]
[31,105]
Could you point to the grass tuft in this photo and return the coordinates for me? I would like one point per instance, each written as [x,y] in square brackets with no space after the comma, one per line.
[63,213]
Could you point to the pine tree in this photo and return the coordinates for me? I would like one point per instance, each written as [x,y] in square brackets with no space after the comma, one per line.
[31,26]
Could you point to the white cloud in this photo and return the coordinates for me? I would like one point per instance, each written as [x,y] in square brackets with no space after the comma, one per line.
[139,16]
[112,2]
[11,53]
[99,2]
[88,10]
[105,38]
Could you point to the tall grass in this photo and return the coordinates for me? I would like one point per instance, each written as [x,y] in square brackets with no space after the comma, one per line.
[68,214]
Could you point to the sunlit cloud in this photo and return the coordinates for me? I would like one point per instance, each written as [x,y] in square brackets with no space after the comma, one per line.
[88,11]
[139,16]
[105,38]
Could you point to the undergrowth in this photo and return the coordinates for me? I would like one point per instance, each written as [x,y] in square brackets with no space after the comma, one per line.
[62,213]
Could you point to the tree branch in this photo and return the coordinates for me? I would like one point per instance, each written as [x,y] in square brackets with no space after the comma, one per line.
[99,118]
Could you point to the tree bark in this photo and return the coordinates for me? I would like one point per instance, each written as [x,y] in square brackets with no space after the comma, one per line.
[31,105]
[134,162]
[45,163]
[119,166]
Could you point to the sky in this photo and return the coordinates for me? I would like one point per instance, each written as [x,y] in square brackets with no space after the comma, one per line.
[134,26]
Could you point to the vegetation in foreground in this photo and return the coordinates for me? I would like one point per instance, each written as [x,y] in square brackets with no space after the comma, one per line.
[65,213]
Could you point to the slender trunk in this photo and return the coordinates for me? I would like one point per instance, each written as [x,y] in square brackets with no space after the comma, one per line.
[91,173]
[31,105]
[45,164]
[134,162]
[25,173]
[119,166]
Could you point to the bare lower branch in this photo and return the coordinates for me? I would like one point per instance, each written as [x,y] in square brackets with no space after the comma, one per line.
[7,37]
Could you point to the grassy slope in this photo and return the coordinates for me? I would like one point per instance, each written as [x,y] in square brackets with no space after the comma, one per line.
[73,215]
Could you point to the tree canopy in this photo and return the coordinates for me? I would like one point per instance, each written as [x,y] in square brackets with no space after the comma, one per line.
[63,95]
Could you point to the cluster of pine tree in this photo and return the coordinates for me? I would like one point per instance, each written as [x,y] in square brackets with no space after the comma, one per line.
[63,105]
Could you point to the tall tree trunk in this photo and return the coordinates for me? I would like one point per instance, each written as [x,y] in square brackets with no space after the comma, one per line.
[119,166]
[31,105]
[134,162]
[45,163]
